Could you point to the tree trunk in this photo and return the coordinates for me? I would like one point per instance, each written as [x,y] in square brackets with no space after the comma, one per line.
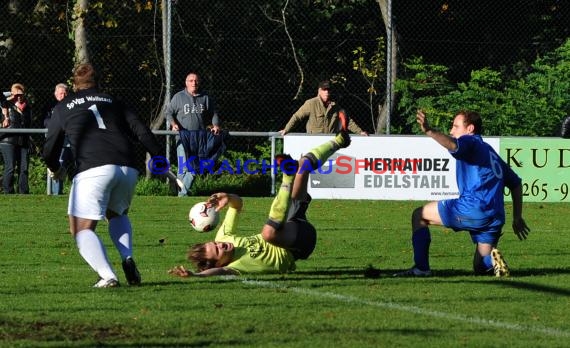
[81,49]
[383,110]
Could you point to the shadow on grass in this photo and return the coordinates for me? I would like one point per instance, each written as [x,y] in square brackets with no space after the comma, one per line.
[513,281]
[374,273]
[515,273]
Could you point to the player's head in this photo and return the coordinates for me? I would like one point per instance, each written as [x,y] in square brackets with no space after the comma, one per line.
[210,255]
[466,122]
[85,76]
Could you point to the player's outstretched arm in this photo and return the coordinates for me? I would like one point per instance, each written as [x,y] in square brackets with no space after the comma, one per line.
[444,140]
[519,225]
[217,271]
[221,199]
[181,271]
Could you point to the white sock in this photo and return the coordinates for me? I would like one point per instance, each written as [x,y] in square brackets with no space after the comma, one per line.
[121,234]
[93,251]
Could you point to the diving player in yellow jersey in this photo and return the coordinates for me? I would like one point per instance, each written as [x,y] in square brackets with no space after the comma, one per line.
[286,237]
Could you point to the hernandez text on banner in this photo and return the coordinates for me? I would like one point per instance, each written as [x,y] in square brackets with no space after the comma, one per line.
[417,168]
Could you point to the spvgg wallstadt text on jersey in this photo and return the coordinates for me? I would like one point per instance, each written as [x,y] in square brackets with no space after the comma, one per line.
[91,98]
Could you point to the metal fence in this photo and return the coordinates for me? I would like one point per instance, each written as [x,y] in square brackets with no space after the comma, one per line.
[37,137]
[261,60]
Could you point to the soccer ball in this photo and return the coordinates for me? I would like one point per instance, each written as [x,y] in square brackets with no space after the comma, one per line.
[203,217]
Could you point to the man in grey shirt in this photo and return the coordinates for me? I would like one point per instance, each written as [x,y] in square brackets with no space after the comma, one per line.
[191,109]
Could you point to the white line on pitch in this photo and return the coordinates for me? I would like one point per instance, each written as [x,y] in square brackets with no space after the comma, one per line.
[415,310]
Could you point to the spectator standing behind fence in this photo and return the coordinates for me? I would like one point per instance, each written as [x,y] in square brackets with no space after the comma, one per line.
[321,114]
[191,109]
[16,113]
[55,187]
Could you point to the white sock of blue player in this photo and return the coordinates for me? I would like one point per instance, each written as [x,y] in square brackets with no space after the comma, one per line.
[93,251]
[421,239]
[121,234]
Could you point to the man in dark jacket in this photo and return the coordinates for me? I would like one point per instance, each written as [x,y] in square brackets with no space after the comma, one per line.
[16,113]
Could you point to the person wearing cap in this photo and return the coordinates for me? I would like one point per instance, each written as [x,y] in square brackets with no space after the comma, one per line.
[321,114]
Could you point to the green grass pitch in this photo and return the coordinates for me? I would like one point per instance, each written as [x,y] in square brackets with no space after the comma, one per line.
[46,299]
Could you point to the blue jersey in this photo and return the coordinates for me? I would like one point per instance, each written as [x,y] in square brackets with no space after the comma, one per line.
[481,177]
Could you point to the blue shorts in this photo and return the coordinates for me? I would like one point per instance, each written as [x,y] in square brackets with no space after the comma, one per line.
[460,216]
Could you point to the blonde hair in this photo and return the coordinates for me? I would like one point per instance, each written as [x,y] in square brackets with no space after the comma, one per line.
[17,86]
[197,255]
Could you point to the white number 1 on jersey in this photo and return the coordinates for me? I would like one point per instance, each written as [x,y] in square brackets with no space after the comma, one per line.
[98,117]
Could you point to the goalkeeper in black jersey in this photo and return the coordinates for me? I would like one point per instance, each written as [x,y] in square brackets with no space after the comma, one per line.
[100,129]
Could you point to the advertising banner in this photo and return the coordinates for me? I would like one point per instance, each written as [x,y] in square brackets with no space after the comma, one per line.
[418,168]
[543,164]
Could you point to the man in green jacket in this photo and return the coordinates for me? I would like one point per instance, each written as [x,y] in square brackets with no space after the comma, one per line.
[321,114]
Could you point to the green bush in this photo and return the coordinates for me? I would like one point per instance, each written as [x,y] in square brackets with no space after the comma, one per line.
[37,177]
[256,185]
[532,102]
[154,187]
[244,184]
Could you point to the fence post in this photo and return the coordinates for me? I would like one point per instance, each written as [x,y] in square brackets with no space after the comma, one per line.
[389,71]
[272,171]
[48,182]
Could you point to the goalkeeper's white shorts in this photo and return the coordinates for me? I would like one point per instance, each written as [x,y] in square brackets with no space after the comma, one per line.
[96,190]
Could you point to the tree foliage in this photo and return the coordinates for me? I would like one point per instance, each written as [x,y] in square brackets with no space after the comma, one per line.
[532,104]
[260,68]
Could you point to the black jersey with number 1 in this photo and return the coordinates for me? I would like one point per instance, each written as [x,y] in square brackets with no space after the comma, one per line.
[101,130]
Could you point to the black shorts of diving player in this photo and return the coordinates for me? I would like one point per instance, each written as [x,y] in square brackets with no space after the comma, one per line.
[306,232]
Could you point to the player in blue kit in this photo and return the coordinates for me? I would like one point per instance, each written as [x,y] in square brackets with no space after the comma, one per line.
[481,177]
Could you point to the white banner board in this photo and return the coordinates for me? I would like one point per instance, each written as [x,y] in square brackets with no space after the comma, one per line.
[381,167]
